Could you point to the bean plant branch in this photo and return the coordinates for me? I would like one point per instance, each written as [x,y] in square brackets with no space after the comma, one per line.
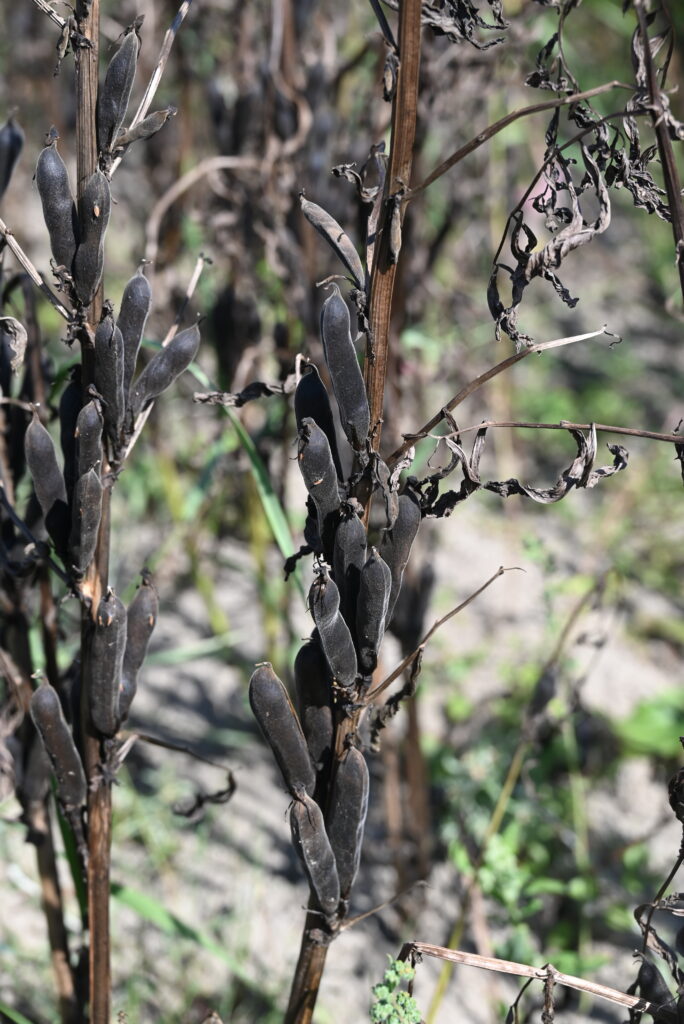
[477,382]
[503,122]
[415,950]
[671,177]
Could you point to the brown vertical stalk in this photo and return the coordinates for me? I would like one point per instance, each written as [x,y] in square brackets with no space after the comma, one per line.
[315,941]
[671,178]
[99,790]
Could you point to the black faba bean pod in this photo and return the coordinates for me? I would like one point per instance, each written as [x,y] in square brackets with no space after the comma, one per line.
[349,558]
[11,144]
[69,409]
[347,816]
[311,401]
[48,482]
[115,92]
[336,639]
[48,718]
[142,618]
[320,477]
[311,842]
[163,368]
[395,546]
[106,663]
[85,520]
[313,694]
[59,209]
[135,308]
[93,217]
[371,611]
[328,227]
[109,374]
[278,722]
[89,426]
[344,369]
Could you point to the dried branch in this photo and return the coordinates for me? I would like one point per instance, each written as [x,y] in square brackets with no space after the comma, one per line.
[30,269]
[51,13]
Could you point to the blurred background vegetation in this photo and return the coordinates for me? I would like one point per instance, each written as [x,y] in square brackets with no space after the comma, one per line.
[548,867]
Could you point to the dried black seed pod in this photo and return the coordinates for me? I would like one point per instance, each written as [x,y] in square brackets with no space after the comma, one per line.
[85,520]
[313,693]
[48,482]
[115,92]
[328,227]
[311,400]
[336,640]
[59,209]
[349,558]
[320,477]
[345,373]
[144,129]
[347,816]
[371,610]
[89,426]
[163,368]
[135,308]
[69,408]
[311,842]
[395,546]
[106,663]
[279,723]
[93,218]
[109,373]
[142,618]
[11,143]
[48,718]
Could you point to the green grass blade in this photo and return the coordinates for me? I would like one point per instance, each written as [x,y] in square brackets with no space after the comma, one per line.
[13,1015]
[273,510]
[152,910]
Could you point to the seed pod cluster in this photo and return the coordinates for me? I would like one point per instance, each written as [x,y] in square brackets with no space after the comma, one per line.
[163,368]
[11,144]
[106,663]
[336,639]
[344,369]
[278,721]
[59,209]
[347,816]
[93,218]
[48,718]
[141,619]
[48,482]
[311,842]
[115,92]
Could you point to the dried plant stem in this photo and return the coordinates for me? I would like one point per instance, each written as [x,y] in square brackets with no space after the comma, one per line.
[51,13]
[498,126]
[54,915]
[606,428]
[153,84]
[477,383]
[671,178]
[30,269]
[414,950]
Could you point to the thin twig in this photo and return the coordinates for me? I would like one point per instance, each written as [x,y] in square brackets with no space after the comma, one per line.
[185,182]
[31,270]
[652,435]
[51,13]
[489,963]
[477,383]
[494,129]
[410,658]
[153,84]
